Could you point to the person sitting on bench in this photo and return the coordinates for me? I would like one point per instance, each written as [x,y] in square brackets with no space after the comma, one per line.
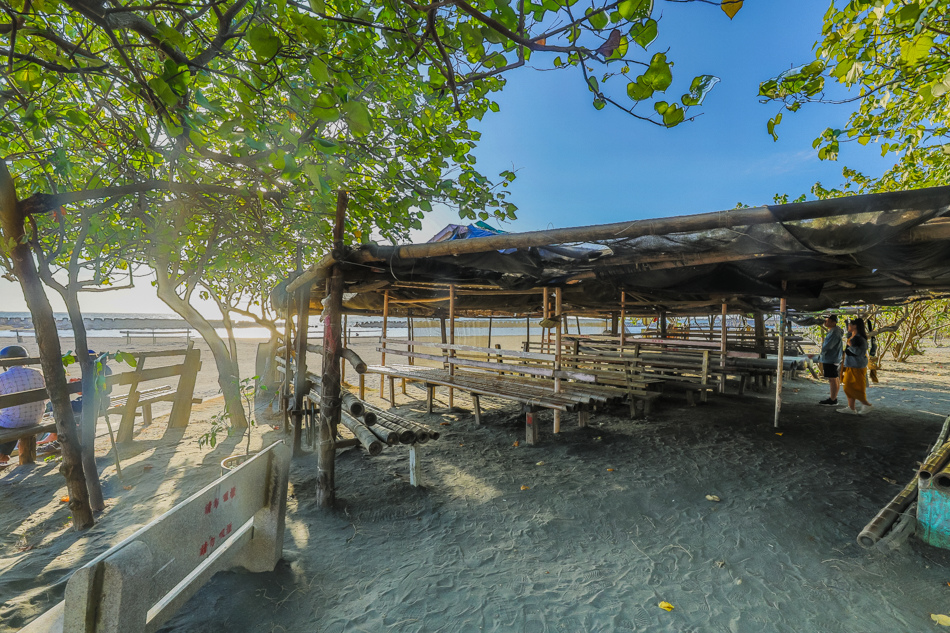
[13,380]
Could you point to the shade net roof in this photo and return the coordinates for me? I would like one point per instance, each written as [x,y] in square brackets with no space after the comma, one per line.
[883,256]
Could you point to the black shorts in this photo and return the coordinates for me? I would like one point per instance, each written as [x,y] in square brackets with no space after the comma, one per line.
[829,370]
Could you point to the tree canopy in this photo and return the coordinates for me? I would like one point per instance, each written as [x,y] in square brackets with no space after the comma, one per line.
[890,58]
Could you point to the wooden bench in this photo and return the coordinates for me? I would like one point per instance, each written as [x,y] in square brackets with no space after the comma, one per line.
[26,450]
[531,379]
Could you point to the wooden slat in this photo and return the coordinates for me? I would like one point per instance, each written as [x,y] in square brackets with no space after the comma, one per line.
[469,348]
[8,435]
[33,395]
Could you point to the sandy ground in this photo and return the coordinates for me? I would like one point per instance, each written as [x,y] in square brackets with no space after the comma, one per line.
[587,531]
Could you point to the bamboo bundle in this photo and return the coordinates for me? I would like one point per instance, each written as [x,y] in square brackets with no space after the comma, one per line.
[351,403]
[404,435]
[372,445]
[384,434]
[935,463]
[883,520]
[351,357]
[422,433]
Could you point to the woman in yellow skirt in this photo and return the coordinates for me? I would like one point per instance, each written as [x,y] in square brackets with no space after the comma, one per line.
[855,368]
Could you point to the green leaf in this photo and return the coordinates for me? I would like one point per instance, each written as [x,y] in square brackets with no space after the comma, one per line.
[638,90]
[264,41]
[658,76]
[644,33]
[674,115]
[597,20]
[318,70]
[358,117]
[635,9]
[771,125]
[913,51]
[599,104]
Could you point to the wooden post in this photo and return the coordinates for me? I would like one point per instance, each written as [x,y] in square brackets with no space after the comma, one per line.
[489,330]
[382,361]
[623,319]
[760,334]
[545,332]
[127,421]
[527,333]
[451,340]
[557,353]
[780,366]
[722,351]
[614,319]
[330,403]
[414,478]
[345,345]
[531,427]
[662,323]
[301,386]
[285,387]
[181,409]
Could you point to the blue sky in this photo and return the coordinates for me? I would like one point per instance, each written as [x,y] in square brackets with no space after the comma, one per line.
[578,166]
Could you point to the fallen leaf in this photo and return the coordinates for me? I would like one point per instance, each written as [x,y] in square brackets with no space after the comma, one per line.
[515,444]
[666,606]
[722,563]
[444,424]
[525,487]
[780,434]
[276,428]
[147,467]
[540,464]
[64,499]
[889,480]
[127,487]
[712,498]
[939,618]
[610,470]
[461,444]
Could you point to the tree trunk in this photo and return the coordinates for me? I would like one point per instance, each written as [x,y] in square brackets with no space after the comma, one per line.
[91,399]
[51,355]
[229,375]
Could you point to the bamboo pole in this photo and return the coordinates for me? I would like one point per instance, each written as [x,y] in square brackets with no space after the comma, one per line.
[349,355]
[451,340]
[663,328]
[382,379]
[366,437]
[557,353]
[932,198]
[883,520]
[760,334]
[780,363]
[722,350]
[545,332]
[330,409]
[300,372]
[343,365]
[490,317]
[527,333]
[623,318]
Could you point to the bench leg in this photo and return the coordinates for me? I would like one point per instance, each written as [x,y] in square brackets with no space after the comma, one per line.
[583,418]
[703,395]
[430,395]
[633,407]
[147,413]
[478,409]
[742,382]
[392,392]
[362,387]
[414,473]
[382,387]
[531,428]
[647,407]
[557,421]
[26,447]
[404,386]
[691,398]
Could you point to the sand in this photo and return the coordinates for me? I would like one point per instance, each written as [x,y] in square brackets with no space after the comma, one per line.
[587,531]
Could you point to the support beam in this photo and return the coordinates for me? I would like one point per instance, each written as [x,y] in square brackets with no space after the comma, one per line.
[301,388]
[451,341]
[722,350]
[558,309]
[662,323]
[932,198]
[623,318]
[760,334]
[780,364]
[382,361]
[330,402]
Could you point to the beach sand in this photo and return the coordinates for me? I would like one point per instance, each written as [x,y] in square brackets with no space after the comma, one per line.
[587,531]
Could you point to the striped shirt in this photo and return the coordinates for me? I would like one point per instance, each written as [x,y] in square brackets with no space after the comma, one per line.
[18,379]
